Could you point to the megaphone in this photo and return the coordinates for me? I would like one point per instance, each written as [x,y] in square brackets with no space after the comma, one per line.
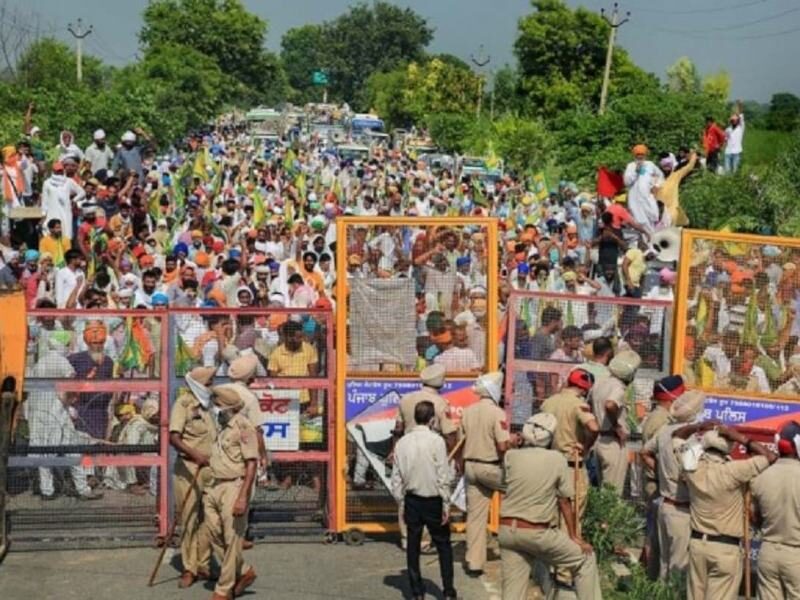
[667,244]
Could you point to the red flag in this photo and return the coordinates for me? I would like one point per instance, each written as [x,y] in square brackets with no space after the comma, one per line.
[609,183]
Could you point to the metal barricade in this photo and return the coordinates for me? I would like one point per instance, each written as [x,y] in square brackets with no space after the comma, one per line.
[295,390]
[382,295]
[88,466]
[539,357]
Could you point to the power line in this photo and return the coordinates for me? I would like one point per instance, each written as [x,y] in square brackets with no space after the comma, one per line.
[755,36]
[737,25]
[701,11]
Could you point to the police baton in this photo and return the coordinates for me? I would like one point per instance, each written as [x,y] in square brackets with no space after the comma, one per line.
[747,574]
[171,532]
[575,477]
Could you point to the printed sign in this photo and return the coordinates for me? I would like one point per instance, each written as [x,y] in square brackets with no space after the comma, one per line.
[362,394]
[281,409]
[753,412]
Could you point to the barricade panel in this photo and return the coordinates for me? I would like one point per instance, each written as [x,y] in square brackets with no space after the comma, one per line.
[737,326]
[550,334]
[404,301]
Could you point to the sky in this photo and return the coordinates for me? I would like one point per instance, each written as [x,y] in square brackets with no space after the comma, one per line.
[754,40]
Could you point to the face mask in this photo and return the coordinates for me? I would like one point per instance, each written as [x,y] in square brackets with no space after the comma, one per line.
[201,392]
[479,312]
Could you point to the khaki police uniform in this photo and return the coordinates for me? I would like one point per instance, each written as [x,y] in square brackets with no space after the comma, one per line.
[198,430]
[657,418]
[612,456]
[484,426]
[236,444]
[442,423]
[572,414]
[673,514]
[776,497]
[717,523]
[535,478]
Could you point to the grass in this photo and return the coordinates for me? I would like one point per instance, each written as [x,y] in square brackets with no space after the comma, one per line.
[762,146]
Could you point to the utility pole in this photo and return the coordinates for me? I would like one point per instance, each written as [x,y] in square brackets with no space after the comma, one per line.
[480,61]
[615,24]
[79,33]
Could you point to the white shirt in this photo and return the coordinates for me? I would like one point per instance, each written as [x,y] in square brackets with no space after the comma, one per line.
[735,137]
[640,181]
[66,281]
[420,465]
[58,193]
[98,158]
[458,360]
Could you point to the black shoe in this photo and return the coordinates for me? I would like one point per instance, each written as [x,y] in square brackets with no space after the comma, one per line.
[451,596]
[473,572]
[48,497]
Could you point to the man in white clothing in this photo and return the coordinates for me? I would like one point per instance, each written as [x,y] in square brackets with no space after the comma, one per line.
[58,194]
[642,178]
[734,139]
[69,280]
[99,155]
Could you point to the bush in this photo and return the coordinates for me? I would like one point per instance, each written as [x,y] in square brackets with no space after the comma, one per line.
[610,522]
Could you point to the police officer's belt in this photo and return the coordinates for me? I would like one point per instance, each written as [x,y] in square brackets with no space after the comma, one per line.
[574,464]
[676,502]
[721,539]
[523,524]
[221,480]
[483,462]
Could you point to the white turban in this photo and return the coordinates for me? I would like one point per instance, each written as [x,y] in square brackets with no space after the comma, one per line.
[539,430]
[490,385]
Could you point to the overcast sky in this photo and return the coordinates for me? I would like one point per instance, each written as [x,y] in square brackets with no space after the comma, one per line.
[756,40]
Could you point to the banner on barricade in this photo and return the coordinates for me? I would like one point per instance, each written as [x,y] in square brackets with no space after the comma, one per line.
[281,409]
[751,412]
[386,393]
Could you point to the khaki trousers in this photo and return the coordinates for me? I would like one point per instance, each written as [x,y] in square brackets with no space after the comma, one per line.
[195,543]
[482,481]
[715,570]
[227,532]
[520,548]
[673,539]
[778,572]
[613,461]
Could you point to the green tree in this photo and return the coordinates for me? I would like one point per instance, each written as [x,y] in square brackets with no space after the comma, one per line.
[717,85]
[561,54]
[784,112]
[223,30]
[506,90]
[683,77]
[51,63]
[368,38]
[303,51]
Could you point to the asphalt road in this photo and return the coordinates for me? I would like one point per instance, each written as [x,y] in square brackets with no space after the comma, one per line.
[286,571]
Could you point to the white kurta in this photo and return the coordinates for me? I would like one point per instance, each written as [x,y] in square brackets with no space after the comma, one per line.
[640,181]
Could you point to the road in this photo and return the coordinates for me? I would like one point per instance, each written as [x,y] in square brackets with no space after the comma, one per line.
[286,571]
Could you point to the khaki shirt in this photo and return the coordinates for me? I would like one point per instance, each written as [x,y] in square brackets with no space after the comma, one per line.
[405,411]
[236,444]
[484,426]
[573,414]
[614,390]
[193,423]
[715,493]
[668,469]
[252,409]
[535,479]
[657,418]
[776,496]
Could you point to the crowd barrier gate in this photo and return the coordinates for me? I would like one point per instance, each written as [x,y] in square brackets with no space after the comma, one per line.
[64,387]
[372,393]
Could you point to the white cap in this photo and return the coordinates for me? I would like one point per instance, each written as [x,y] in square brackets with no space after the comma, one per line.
[35,130]
[99,135]
[128,136]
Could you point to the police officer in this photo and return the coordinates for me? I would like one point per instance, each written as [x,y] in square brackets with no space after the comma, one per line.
[539,485]
[233,466]
[608,403]
[665,391]
[716,507]
[433,379]
[486,439]
[672,507]
[776,500]
[577,428]
[192,432]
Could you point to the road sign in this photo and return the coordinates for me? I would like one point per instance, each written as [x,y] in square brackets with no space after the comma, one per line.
[319,78]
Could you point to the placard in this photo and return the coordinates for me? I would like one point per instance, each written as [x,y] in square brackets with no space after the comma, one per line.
[281,410]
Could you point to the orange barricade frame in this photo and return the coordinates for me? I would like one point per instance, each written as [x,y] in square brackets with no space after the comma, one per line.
[490,227]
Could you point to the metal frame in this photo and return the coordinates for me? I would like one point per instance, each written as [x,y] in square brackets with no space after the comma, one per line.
[342,376]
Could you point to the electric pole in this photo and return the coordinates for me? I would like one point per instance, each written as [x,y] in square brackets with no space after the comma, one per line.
[480,61]
[615,24]
[79,33]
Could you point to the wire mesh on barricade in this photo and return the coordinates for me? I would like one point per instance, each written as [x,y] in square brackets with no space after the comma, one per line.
[411,292]
[88,462]
[550,334]
[291,377]
[737,314]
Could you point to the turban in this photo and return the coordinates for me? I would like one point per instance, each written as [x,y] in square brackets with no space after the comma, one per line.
[624,365]
[202,259]
[243,368]
[569,276]
[433,376]
[668,388]
[539,429]
[789,440]
[125,409]
[639,149]
[201,375]
[490,385]
[150,408]
[712,440]
[442,338]
[580,378]
[688,405]
[463,260]
[31,255]
[227,396]
[94,332]
[8,152]
[180,247]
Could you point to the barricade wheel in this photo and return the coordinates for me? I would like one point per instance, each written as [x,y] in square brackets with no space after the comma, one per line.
[158,542]
[331,538]
[354,537]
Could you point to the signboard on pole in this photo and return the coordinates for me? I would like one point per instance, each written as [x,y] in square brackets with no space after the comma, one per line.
[319,77]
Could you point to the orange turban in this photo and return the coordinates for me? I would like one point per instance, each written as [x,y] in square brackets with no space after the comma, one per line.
[442,338]
[94,332]
[202,259]
[640,149]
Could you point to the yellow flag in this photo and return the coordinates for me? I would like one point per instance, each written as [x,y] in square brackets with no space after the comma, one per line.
[540,191]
